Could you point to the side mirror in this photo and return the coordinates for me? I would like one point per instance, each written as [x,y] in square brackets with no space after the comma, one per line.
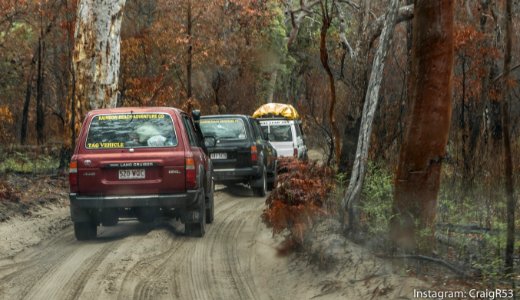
[210,141]
[196,115]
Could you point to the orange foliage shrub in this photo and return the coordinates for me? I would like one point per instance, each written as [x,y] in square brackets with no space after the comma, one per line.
[6,118]
[299,199]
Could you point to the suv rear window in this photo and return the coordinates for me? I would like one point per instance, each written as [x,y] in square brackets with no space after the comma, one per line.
[133,130]
[278,131]
[224,129]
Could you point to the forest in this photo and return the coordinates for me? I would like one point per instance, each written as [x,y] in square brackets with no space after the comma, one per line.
[412,105]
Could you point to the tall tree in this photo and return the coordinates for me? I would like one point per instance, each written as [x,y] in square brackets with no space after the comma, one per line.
[40,78]
[508,160]
[327,12]
[47,17]
[96,52]
[418,173]
[326,20]
[189,63]
[96,57]
[358,68]
[351,199]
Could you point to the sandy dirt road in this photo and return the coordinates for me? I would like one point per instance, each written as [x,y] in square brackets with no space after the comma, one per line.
[235,260]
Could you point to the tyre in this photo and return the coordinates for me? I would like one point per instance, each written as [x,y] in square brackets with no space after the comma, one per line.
[261,190]
[85,230]
[210,208]
[272,181]
[198,229]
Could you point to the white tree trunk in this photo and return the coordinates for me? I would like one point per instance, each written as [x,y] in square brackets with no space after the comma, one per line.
[271,86]
[351,199]
[97,53]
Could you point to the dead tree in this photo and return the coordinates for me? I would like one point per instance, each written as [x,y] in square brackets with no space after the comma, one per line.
[351,198]
[508,160]
[358,68]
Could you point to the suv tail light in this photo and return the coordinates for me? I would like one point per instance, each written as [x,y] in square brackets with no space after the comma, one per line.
[295,152]
[73,176]
[191,174]
[254,154]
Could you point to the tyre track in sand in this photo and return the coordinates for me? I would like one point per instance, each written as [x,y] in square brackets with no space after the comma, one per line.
[17,279]
[73,273]
[207,273]
[136,261]
[170,276]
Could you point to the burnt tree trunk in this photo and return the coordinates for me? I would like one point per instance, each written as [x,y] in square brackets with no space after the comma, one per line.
[495,106]
[324,57]
[189,64]
[486,79]
[28,91]
[69,133]
[27,103]
[40,109]
[418,173]
[508,160]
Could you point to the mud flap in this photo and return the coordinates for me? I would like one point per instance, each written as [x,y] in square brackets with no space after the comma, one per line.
[257,182]
[192,214]
[78,214]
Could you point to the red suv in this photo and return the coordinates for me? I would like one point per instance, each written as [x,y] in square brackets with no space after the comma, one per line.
[143,163]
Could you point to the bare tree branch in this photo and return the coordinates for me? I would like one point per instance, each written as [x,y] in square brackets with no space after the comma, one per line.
[342,32]
[405,13]
[351,3]
[502,74]
[297,16]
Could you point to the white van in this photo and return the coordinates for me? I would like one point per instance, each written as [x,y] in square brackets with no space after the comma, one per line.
[286,136]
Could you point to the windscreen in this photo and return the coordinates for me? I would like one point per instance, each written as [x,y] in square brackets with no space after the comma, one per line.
[133,130]
[224,129]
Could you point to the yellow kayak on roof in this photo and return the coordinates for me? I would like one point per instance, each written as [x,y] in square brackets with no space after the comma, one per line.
[276,110]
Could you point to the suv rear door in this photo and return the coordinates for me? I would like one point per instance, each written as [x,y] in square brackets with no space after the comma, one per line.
[195,143]
[233,135]
[131,154]
[300,142]
[264,146]
[280,134]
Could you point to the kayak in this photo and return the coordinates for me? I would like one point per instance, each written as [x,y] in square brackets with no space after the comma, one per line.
[276,110]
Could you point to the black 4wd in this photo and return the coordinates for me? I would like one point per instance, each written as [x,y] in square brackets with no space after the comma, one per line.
[242,153]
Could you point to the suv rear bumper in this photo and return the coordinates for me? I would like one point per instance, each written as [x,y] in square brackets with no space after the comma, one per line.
[236,174]
[170,200]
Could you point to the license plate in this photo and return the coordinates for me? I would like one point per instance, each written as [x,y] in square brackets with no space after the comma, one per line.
[131,174]
[218,156]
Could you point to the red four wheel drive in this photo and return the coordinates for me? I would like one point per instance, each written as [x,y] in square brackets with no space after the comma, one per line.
[143,163]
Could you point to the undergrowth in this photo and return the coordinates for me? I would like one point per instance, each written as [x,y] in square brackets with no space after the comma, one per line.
[470,231]
[8,193]
[300,198]
[19,162]
[376,202]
